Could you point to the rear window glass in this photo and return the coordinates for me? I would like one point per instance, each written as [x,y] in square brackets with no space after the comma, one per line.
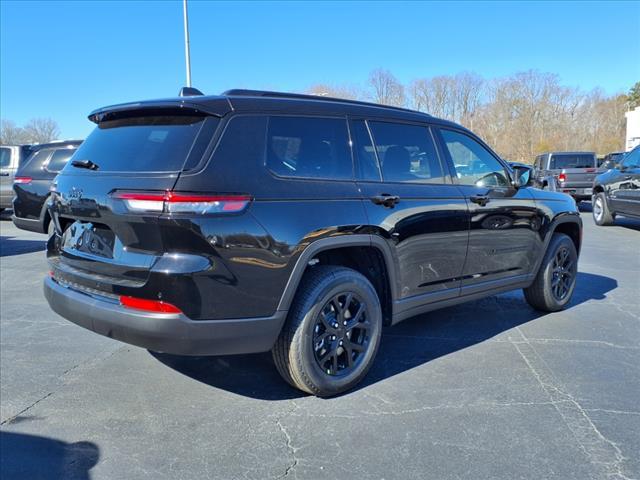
[5,157]
[141,144]
[59,159]
[572,161]
[309,147]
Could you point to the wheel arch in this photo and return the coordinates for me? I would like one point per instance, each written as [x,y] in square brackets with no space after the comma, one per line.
[568,223]
[367,254]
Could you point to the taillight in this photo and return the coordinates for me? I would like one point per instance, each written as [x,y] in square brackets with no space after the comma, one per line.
[148,305]
[22,180]
[177,202]
[562,177]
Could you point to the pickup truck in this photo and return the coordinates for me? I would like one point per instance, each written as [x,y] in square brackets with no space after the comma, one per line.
[573,173]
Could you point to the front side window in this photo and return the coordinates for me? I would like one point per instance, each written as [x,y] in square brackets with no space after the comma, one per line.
[5,157]
[474,164]
[406,153]
[632,159]
[59,159]
[308,147]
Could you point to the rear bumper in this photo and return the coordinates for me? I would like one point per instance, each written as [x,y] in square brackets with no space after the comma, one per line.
[161,332]
[5,201]
[582,192]
[33,225]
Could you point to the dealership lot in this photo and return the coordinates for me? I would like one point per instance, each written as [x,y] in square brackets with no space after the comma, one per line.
[490,389]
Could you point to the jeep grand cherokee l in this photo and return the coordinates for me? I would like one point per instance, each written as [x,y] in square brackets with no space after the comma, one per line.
[256,221]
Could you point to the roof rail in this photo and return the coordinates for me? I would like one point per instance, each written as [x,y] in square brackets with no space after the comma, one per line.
[239,92]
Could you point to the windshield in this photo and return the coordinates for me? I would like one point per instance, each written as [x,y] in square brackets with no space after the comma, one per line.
[140,144]
[569,160]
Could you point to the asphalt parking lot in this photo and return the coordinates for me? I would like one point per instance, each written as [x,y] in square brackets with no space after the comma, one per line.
[490,389]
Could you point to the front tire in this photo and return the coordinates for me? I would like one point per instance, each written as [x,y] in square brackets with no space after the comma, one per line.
[553,286]
[601,214]
[332,332]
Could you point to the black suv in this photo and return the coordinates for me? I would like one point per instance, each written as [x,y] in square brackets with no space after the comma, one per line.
[617,191]
[32,184]
[257,221]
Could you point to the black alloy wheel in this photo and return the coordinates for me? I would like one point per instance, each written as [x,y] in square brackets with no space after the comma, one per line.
[341,334]
[563,276]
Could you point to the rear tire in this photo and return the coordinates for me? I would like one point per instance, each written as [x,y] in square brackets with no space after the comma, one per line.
[555,282]
[332,332]
[601,214]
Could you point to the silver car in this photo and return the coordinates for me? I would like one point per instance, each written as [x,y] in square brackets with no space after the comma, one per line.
[11,156]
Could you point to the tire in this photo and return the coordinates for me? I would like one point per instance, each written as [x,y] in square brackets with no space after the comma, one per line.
[555,282]
[312,337]
[601,214]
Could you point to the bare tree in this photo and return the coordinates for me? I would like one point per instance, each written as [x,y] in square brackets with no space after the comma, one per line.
[11,134]
[455,98]
[336,91]
[42,130]
[386,89]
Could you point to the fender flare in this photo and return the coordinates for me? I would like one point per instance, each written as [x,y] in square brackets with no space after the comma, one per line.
[330,243]
[559,220]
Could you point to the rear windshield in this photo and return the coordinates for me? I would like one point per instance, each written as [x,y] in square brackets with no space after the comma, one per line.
[141,144]
[573,161]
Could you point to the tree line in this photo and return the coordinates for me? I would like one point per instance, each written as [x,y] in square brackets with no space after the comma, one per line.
[36,130]
[520,116]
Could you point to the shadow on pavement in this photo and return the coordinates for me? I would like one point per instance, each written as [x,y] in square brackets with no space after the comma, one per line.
[620,221]
[404,346]
[31,457]
[13,246]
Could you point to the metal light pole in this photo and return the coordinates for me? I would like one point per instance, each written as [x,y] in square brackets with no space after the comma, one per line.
[186,43]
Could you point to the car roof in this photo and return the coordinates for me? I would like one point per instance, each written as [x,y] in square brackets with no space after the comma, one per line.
[55,144]
[568,153]
[240,101]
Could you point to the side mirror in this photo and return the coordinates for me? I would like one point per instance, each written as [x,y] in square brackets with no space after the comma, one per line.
[521,175]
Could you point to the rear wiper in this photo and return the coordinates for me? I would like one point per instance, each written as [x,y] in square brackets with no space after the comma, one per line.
[85,164]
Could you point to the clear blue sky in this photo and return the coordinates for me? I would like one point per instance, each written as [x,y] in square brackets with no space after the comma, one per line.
[63,59]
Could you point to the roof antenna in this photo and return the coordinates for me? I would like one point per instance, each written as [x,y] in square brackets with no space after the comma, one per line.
[187,91]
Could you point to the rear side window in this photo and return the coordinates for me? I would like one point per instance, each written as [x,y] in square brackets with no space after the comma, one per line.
[141,144]
[572,161]
[5,157]
[406,153]
[59,159]
[368,168]
[308,147]
[34,162]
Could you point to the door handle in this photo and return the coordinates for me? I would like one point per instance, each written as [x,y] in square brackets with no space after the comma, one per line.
[481,200]
[386,200]
[3,174]
[628,177]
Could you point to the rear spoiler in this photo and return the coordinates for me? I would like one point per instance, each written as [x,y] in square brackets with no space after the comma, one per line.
[216,106]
